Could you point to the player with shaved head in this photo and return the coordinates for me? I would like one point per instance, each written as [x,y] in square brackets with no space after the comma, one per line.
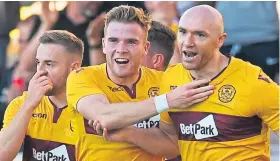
[234,122]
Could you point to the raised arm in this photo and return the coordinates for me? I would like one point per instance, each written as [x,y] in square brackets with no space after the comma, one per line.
[94,38]
[18,114]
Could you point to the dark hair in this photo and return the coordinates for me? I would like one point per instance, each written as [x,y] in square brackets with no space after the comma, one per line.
[162,40]
[69,41]
[126,13]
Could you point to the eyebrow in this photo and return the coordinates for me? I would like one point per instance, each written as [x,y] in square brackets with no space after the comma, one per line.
[110,38]
[47,61]
[196,31]
[130,39]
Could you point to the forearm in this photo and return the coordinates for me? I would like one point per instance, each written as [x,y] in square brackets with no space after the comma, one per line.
[118,115]
[154,141]
[12,137]
[97,56]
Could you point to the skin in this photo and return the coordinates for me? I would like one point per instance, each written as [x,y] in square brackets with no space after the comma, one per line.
[201,31]
[124,40]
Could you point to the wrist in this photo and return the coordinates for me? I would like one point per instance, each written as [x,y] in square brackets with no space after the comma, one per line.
[94,41]
[95,46]
[161,103]
[129,138]
[45,26]
[29,107]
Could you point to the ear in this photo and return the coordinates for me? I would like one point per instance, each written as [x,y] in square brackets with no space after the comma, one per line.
[158,61]
[75,65]
[146,47]
[221,40]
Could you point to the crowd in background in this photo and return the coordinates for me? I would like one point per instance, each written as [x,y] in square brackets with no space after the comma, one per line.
[252,34]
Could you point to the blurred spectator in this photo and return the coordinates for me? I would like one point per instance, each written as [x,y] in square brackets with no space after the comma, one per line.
[182,6]
[82,19]
[252,32]
[27,29]
[75,18]
[166,13]
[9,16]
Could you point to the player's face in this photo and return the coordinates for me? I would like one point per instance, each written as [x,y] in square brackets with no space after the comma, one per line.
[54,60]
[197,40]
[125,46]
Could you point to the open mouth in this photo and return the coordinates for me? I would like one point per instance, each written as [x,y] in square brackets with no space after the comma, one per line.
[121,61]
[189,54]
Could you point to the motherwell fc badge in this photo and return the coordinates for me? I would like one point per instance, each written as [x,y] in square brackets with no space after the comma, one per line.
[226,93]
[153,91]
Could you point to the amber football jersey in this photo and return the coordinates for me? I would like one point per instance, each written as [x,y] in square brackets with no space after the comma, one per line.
[48,136]
[94,80]
[233,123]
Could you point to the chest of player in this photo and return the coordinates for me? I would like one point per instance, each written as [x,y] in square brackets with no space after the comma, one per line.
[48,136]
[48,124]
[226,115]
[118,94]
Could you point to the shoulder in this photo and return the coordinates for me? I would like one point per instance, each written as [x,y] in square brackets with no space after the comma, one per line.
[256,78]
[174,68]
[88,72]
[151,73]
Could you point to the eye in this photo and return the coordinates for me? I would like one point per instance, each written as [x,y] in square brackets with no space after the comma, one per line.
[199,34]
[112,40]
[49,64]
[182,31]
[131,42]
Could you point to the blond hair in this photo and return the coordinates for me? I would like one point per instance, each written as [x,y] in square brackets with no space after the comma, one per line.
[125,14]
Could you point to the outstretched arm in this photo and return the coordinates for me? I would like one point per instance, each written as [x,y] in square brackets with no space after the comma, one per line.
[119,115]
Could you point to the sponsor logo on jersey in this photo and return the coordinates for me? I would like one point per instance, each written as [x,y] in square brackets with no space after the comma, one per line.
[226,93]
[205,128]
[153,91]
[152,122]
[58,154]
[39,115]
[115,89]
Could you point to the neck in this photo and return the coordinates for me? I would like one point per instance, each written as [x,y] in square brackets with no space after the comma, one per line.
[212,68]
[126,81]
[74,14]
[59,100]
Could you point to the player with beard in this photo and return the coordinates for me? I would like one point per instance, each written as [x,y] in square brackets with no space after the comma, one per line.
[39,117]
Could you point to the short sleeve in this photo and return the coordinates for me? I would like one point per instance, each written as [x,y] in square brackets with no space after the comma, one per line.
[12,110]
[267,101]
[81,83]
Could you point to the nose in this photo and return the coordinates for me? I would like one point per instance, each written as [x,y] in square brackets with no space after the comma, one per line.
[121,47]
[188,40]
[41,67]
